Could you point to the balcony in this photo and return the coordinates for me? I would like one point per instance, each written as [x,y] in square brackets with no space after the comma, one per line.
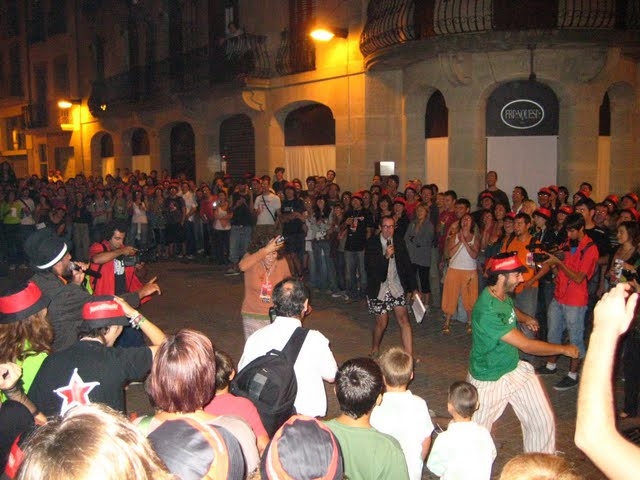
[35,115]
[411,28]
[230,63]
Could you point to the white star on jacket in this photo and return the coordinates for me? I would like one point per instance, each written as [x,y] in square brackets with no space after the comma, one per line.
[75,393]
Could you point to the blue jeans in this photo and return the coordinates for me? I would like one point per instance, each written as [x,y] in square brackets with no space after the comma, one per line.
[561,317]
[325,271]
[354,262]
[238,242]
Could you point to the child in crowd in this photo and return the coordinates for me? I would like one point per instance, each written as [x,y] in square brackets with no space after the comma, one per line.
[368,454]
[225,403]
[401,414]
[466,449]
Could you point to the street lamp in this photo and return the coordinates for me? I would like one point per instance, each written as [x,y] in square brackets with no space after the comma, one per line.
[66,103]
[324,33]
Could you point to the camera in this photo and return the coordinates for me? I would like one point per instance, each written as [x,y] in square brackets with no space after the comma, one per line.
[280,240]
[141,256]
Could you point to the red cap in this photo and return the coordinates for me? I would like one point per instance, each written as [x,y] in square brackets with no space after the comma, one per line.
[510,216]
[633,212]
[486,195]
[613,199]
[289,185]
[543,212]
[566,209]
[544,191]
[400,200]
[507,262]
[632,196]
[554,189]
[357,195]
[103,311]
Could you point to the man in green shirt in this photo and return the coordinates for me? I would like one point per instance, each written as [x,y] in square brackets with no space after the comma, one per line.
[368,454]
[495,369]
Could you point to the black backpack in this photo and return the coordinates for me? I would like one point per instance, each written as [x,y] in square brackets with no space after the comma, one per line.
[270,383]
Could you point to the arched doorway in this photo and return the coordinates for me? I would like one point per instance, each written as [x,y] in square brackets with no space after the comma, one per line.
[436,135]
[237,145]
[107,160]
[140,151]
[522,134]
[183,151]
[310,141]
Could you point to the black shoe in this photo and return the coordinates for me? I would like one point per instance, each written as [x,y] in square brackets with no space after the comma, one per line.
[543,370]
[567,383]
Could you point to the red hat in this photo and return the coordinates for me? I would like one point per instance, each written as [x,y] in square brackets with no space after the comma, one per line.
[544,191]
[566,209]
[543,212]
[554,189]
[632,196]
[613,199]
[103,311]
[256,179]
[510,216]
[486,195]
[400,200]
[633,212]
[289,185]
[357,195]
[506,262]
[22,304]
[410,185]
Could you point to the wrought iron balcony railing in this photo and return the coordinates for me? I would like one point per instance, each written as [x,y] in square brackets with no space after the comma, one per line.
[35,115]
[232,60]
[393,22]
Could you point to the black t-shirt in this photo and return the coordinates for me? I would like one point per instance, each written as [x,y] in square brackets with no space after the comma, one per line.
[98,371]
[15,420]
[241,212]
[600,238]
[120,281]
[294,225]
[174,206]
[357,229]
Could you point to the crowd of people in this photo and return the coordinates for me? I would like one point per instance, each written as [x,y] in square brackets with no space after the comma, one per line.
[518,274]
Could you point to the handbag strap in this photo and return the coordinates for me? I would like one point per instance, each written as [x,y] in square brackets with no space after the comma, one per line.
[268,209]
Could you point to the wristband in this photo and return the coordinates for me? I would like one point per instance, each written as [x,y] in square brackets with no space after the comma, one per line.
[137,321]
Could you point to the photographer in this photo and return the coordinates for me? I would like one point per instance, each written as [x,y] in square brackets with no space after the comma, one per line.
[575,264]
[119,266]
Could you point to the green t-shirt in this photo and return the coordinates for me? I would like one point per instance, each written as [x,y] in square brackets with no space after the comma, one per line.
[369,454]
[491,358]
[30,366]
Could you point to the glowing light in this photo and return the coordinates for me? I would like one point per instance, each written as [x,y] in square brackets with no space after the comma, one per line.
[322,34]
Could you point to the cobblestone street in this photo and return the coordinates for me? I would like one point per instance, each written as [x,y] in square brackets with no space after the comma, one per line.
[199,296]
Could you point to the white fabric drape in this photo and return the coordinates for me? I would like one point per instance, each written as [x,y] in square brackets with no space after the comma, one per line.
[301,162]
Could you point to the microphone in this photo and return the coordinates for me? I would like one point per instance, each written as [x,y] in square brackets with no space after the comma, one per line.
[88,271]
[388,245]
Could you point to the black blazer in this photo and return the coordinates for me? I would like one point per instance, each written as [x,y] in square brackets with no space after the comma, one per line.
[376,265]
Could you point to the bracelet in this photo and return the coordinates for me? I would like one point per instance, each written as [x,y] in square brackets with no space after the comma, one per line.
[137,321]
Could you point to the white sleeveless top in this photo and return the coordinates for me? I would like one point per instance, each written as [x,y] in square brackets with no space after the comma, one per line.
[461,260]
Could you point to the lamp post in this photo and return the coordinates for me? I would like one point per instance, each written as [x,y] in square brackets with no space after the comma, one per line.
[66,104]
[324,33]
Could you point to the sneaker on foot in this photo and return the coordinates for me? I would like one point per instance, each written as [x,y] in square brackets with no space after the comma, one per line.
[337,295]
[231,271]
[567,383]
[543,370]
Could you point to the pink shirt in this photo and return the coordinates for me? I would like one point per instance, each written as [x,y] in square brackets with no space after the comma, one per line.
[229,404]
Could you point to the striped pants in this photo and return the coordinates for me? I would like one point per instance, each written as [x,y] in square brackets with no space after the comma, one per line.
[523,390]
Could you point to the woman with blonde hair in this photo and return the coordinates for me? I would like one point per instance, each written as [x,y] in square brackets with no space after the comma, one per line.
[538,466]
[90,441]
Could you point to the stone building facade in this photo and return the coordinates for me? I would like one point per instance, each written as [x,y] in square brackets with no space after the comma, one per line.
[165,85]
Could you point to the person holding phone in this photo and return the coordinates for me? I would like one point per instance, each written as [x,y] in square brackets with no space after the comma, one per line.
[263,267]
